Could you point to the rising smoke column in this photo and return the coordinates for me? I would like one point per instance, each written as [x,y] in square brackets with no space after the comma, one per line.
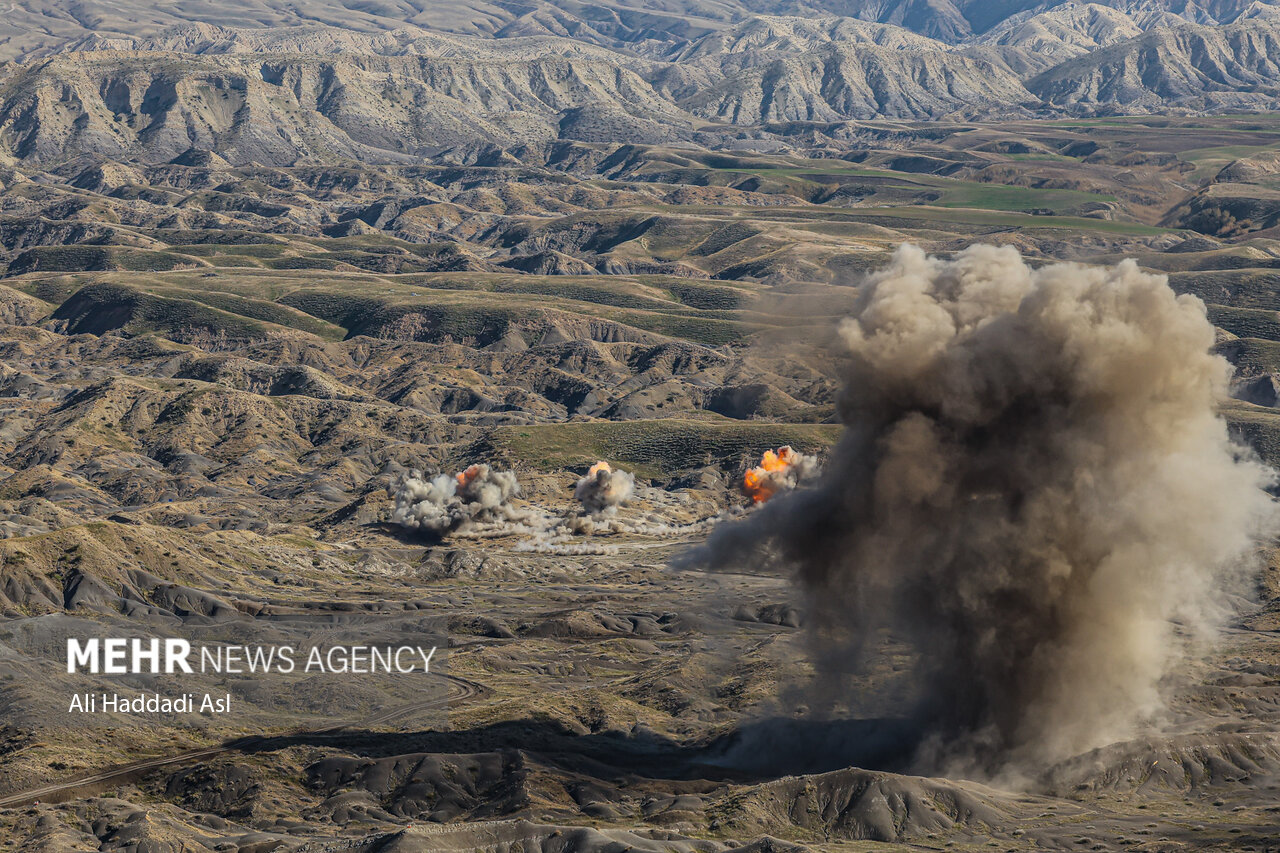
[779,470]
[443,504]
[1032,482]
[602,488]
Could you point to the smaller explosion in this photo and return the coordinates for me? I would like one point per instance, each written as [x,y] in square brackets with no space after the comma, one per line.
[445,504]
[603,488]
[465,478]
[476,503]
[779,470]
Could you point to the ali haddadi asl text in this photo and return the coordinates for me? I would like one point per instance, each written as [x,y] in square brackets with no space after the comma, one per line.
[153,703]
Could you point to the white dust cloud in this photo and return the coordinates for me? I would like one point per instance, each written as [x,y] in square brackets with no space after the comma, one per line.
[446,504]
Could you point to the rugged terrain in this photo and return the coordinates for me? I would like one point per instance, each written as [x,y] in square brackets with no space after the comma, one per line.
[285,85]
[260,261]
[214,376]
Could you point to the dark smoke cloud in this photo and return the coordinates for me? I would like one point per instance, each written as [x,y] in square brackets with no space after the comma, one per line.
[1032,485]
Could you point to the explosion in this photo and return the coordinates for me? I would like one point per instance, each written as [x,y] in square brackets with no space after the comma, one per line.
[779,470]
[603,489]
[1032,486]
[445,504]
[465,478]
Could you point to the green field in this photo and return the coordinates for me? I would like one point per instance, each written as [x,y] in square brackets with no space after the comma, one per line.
[655,448]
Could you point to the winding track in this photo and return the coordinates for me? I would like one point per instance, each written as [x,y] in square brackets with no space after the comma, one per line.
[459,689]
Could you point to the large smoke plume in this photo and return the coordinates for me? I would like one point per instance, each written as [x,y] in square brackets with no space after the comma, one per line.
[1032,487]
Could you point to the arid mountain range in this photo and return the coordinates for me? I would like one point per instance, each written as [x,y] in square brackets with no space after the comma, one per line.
[281,84]
[35,27]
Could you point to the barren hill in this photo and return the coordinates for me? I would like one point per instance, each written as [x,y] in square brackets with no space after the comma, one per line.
[36,27]
[1187,67]
[325,89]
[279,108]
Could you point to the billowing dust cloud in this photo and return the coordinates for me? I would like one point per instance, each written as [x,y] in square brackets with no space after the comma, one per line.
[443,504]
[478,503]
[603,488]
[1031,487]
[779,470]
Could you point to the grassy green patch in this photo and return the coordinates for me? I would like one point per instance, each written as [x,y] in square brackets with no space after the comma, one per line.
[1000,197]
[222,237]
[925,217]
[971,217]
[951,192]
[257,309]
[654,448]
[1210,160]
[1249,288]
[85,258]
[307,262]
[707,296]
[1246,322]
[102,307]
[1252,356]
[1043,156]
[221,252]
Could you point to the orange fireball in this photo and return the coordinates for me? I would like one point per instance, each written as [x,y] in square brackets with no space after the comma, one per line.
[464,478]
[777,460]
[757,483]
[756,486]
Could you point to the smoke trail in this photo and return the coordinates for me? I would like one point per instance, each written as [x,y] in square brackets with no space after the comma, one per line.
[1031,484]
[586,525]
[603,488]
[445,504]
[563,546]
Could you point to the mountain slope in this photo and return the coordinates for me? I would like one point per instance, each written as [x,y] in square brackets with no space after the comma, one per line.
[208,39]
[32,28]
[281,108]
[1189,66]
[1065,32]
[861,82]
[371,87]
